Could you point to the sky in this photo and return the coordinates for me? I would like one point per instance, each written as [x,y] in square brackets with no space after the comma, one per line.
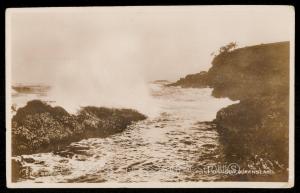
[162,42]
[105,47]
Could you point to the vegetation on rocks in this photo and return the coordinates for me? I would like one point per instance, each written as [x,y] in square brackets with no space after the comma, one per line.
[38,127]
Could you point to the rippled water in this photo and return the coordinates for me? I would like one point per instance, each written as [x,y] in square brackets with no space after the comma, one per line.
[169,147]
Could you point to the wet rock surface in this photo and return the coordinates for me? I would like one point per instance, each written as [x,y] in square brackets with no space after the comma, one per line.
[39,127]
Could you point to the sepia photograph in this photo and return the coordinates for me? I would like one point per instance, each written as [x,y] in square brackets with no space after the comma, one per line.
[150,96]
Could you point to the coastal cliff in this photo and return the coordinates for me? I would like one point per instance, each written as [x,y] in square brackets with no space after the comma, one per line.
[254,132]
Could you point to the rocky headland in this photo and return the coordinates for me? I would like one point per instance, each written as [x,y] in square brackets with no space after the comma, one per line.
[255,131]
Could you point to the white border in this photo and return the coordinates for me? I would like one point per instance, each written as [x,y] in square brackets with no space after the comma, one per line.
[10,184]
[291,179]
[8,96]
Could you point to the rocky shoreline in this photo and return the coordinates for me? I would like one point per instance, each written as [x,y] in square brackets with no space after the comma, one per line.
[255,131]
[39,127]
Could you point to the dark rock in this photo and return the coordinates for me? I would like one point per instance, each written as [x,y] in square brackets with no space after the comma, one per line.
[38,127]
[65,154]
[63,161]
[39,162]
[43,172]
[209,146]
[186,142]
[28,160]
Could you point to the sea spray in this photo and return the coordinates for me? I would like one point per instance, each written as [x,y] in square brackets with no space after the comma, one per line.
[103,79]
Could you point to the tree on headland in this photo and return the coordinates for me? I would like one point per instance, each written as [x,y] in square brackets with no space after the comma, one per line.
[227,48]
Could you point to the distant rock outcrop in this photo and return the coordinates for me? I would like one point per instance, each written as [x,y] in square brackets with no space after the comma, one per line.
[38,127]
[198,80]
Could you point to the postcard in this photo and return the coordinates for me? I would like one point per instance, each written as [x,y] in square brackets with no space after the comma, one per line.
[150,96]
